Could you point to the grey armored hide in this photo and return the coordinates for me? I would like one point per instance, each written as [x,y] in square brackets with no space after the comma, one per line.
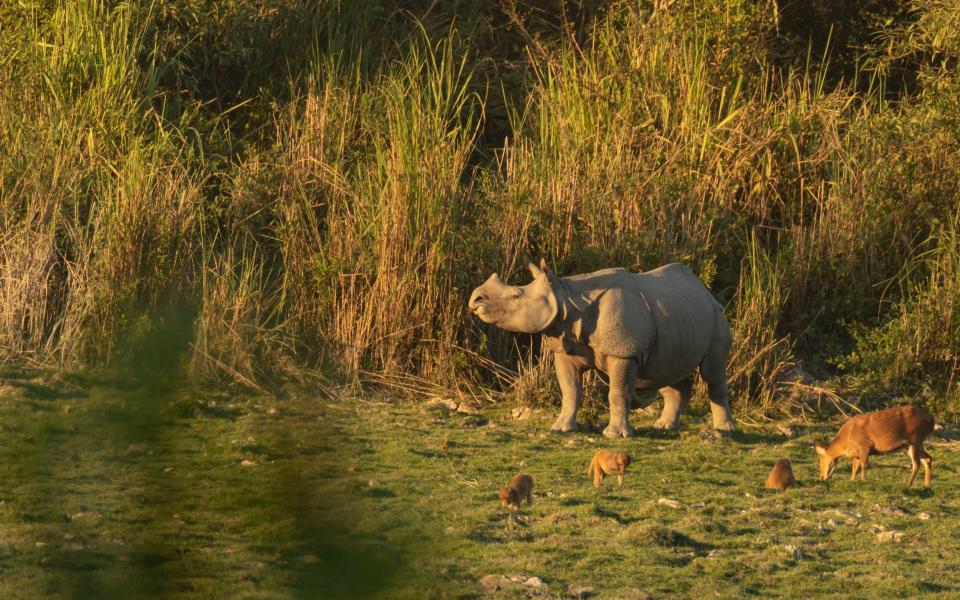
[650,329]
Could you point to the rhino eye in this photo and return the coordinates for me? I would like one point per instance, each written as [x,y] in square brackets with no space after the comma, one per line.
[516,295]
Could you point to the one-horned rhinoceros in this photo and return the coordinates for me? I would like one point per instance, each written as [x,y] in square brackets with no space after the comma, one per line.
[649,329]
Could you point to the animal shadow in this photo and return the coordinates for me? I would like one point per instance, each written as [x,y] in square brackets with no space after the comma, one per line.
[612,514]
[435,453]
[755,437]
[919,492]
[670,538]
[714,482]
[658,434]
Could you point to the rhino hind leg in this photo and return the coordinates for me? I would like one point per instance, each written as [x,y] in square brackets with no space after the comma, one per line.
[675,398]
[713,369]
[623,381]
[720,407]
[570,378]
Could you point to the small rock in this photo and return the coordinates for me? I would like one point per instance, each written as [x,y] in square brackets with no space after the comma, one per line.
[795,552]
[889,510]
[533,582]
[521,413]
[473,421]
[923,516]
[650,410]
[444,403]
[669,502]
[309,559]
[787,430]
[271,411]
[579,591]
[890,536]
[466,409]
[493,583]
[167,469]
[247,463]
[710,436]
[373,483]
[85,516]
[549,494]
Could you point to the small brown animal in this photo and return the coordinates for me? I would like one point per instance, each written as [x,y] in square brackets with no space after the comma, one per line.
[605,462]
[781,476]
[519,488]
[878,432]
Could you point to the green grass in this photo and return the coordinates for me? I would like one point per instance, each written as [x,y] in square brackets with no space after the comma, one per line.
[110,490]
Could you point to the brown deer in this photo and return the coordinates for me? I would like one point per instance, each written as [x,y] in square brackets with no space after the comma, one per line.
[876,433]
[781,476]
[519,489]
[605,463]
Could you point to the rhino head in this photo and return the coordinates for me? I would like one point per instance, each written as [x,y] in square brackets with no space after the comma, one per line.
[525,309]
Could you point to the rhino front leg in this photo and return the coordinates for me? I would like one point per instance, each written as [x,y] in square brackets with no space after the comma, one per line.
[570,378]
[623,380]
[675,398]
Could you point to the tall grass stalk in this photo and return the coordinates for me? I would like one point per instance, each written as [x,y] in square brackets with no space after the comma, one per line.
[324,184]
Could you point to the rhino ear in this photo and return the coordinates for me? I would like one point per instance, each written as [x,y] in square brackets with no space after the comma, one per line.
[534,270]
[545,269]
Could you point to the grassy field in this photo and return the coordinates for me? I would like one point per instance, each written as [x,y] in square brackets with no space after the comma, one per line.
[110,490]
[260,195]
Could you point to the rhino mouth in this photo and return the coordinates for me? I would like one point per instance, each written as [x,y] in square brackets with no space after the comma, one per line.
[484,315]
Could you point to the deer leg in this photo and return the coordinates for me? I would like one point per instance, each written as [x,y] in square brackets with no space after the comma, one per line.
[856,465]
[864,454]
[913,452]
[927,462]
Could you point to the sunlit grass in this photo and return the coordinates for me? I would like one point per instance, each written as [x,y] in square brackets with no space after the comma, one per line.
[142,490]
